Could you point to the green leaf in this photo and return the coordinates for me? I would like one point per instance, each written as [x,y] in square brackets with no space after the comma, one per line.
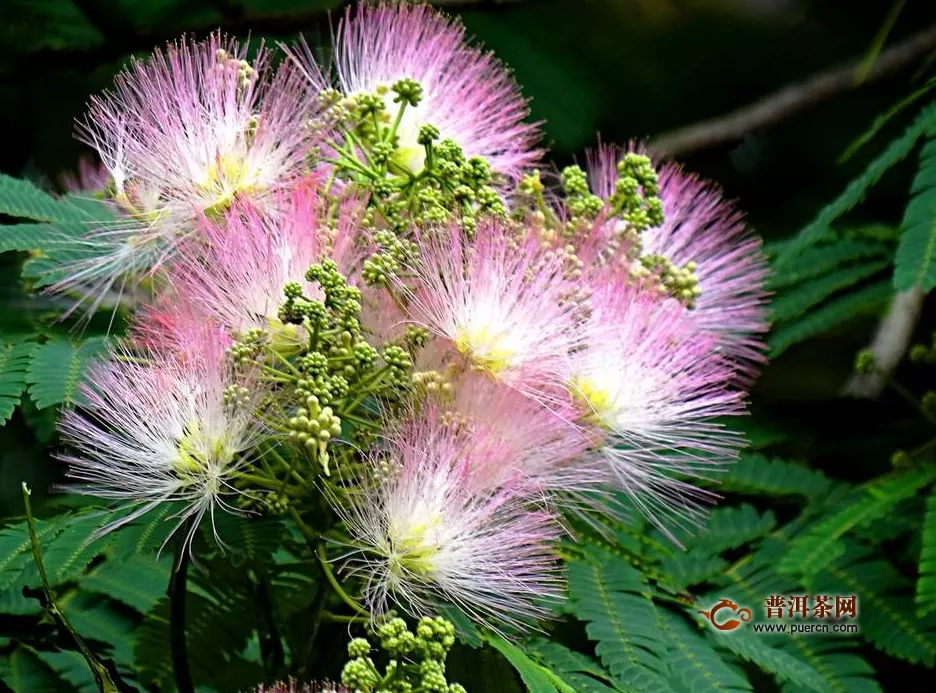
[836,660]
[256,538]
[794,302]
[885,604]
[926,582]
[20,198]
[832,314]
[611,597]
[729,527]
[754,648]
[17,569]
[56,370]
[138,581]
[895,152]
[822,545]
[915,264]
[819,260]
[98,618]
[883,119]
[70,666]
[219,621]
[14,363]
[534,676]
[38,237]
[694,661]
[23,672]
[755,473]
[580,671]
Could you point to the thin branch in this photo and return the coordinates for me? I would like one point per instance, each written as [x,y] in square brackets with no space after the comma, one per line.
[178,591]
[105,683]
[889,345]
[794,98]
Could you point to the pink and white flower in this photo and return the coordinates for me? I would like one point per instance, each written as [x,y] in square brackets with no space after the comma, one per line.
[501,301]
[236,276]
[539,446]
[468,94]
[654,386]
[424,533]
[161,429]
[700,226]
[184,134]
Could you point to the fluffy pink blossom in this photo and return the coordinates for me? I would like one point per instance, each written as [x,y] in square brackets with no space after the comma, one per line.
[501,301]
[183,134]
[654,386]
[702,227]
[468,94]
[536,445]
[424,533]
[159,428]
[236,277]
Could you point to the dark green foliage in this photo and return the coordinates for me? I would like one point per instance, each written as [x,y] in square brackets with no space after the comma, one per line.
[915,264]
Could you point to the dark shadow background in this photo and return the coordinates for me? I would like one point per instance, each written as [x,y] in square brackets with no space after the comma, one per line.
[622,68]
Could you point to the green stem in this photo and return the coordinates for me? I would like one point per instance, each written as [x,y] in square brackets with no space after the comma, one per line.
[911,400]
[333,581]
[177,599]
[104,681]
[338,618]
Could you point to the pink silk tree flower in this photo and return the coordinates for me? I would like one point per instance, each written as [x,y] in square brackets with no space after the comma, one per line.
[467,94]
[236,277]
[501,301]
[422,533]
[649,382]
[185,134]
[157,429]
[544,447]
[701,227]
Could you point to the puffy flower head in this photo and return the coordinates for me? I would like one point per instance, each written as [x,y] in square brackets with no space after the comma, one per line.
[184,134]
[702,228]
[426,534]
[501,301]
[164,429]
[652,385]
[467,94]
[236,277]
[534,444]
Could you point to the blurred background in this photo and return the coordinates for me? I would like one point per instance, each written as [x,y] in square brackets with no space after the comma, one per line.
[618,69]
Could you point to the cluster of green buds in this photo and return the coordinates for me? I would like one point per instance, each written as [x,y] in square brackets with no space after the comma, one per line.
[414,175]
[636,198]
[338,369]
[583,205]
[416,661]
[679,282]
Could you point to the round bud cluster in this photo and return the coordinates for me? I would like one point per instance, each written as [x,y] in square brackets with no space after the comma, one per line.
[399,362]
[679,282]
[235,396]
[416,661]
[416,337]
[865,362]
[408,91]
[247,348]
[636,197]
[313,424]
[427,135]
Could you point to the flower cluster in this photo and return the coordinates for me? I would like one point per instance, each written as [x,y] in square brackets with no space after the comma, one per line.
[371,314]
